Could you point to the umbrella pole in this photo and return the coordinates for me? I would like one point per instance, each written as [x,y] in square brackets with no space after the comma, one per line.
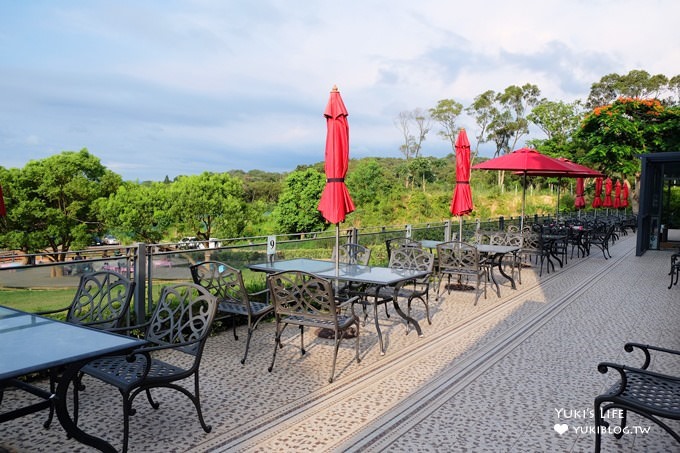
[524,199]
[557,211]
[460,228]
[337,248]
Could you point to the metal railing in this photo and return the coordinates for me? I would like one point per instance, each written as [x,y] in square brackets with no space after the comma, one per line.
[152,265]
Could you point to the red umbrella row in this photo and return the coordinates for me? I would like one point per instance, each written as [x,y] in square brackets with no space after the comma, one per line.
[620,199]
[529,162]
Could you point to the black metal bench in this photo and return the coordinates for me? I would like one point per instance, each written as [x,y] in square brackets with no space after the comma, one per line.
[652,395]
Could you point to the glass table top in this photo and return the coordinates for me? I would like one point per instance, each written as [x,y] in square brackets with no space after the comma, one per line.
[30,343]
[346,272]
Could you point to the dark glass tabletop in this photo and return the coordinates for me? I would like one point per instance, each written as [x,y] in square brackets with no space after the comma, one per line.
[31,343]
[298,264]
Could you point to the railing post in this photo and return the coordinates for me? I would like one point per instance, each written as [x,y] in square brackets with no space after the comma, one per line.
[140,284]
[501,223]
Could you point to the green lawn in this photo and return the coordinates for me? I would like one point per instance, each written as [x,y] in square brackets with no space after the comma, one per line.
[32,300]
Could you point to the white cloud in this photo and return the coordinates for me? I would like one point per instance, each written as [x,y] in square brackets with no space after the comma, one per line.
[159,88]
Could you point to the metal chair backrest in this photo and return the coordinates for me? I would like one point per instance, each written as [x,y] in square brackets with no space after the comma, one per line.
[222,281]
[458,256]
[514,239]
[184,314]
[412,258]
[353,254]
[297,293]
[392,244]
[102,300]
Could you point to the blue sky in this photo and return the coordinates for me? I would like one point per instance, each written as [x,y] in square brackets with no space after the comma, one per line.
[156,88]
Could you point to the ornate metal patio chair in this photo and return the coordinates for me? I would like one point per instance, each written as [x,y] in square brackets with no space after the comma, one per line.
[534,246]
[226,283]
[353,254]
[601,240]
[514,260]
[180,324]
[414,259]
[462,260]
[305,300]
[652,395]
[395,243]
[411,258]
[101,301]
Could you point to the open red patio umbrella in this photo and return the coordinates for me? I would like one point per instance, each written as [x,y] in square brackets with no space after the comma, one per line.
[335,201]
[461,203]
[617,194]
[580,201]
[607,194]
[524,161]
[624,199]
[575,171]
[597,200]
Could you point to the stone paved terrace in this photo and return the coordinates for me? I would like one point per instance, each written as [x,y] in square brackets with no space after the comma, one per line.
[493,377]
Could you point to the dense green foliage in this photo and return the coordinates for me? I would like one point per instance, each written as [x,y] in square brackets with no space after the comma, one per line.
[58,203]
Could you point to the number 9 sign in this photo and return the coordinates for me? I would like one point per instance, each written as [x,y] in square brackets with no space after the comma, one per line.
[271,245]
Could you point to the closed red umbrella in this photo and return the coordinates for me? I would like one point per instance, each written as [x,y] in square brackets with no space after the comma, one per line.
[579,201]
[624,199]
[608,203]
[617,194]
[597,200]
[335,201]
[527,162]
[461,203]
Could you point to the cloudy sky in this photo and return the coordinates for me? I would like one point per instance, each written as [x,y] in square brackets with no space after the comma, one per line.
[168,87]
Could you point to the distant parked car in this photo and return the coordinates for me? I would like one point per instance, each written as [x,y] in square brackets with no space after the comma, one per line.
[96,240]
[188,243]
[109,239]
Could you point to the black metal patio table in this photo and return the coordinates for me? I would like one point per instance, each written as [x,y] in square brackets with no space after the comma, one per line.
[31,344]
[375,276]
[496,254]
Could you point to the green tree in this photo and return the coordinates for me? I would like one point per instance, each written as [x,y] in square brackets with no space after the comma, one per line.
[515,103]
[52,202]
[408,121]
[138,211]
[446,113]
[296,211]
[615,134]
[367,182]
[636,84]
[208,204]
[559,121]
[483,110]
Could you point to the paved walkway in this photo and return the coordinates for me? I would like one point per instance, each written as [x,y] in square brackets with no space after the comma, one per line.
[496,376]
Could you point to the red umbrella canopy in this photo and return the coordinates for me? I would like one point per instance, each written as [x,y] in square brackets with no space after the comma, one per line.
[617,196]
[461,203]
[524,160]
[579,201]
[607,194]
[575,171]
[335,201]
[597,200]
[624,200]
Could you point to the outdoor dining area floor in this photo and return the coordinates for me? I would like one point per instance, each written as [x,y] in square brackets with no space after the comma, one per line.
[504,375]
